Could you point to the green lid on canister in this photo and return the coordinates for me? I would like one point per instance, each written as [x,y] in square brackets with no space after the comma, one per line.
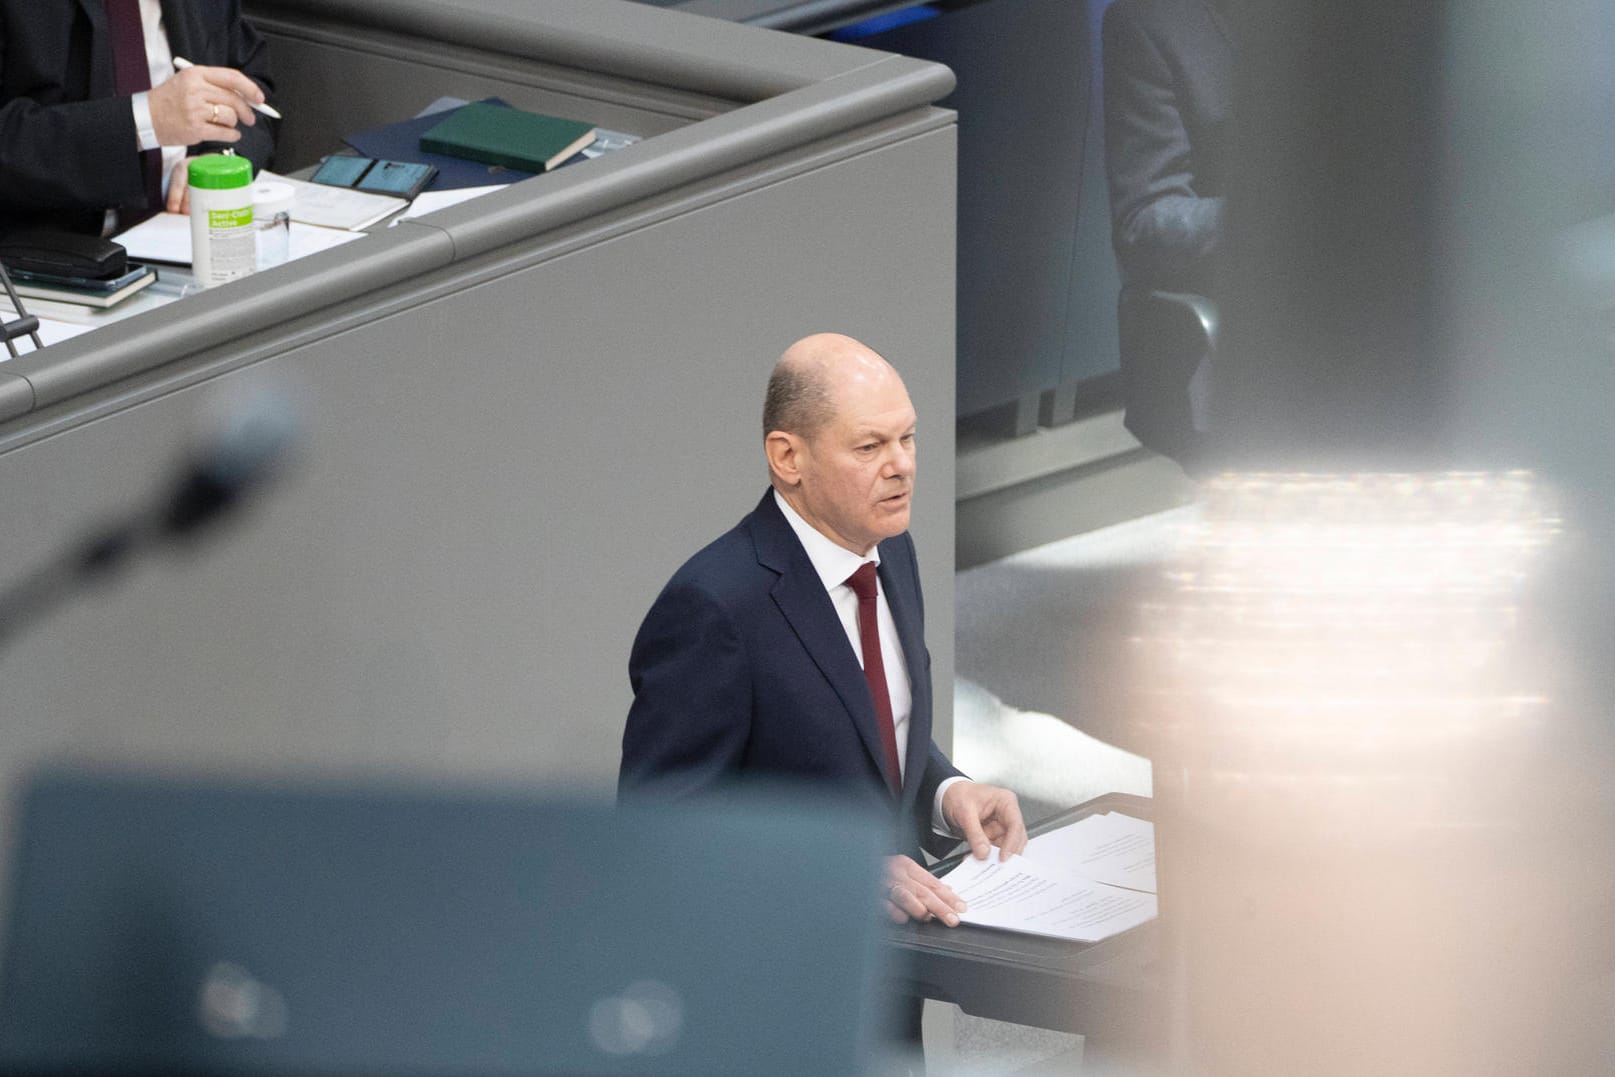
[220,171]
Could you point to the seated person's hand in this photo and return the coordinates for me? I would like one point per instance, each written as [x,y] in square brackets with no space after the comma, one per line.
[203,104]
[179,188]
[986,815]
[912,893]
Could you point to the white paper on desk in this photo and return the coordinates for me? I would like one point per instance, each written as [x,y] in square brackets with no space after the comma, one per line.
[166,237]
[1021,896]
[432,201]
[1108,848]
[305,239]
[336,207]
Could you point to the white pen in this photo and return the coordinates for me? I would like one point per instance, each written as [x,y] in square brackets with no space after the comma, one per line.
[181,63]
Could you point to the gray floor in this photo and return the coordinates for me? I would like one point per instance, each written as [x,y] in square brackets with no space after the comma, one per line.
[1039,707]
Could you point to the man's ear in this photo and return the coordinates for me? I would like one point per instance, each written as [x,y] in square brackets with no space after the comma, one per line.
[784,453]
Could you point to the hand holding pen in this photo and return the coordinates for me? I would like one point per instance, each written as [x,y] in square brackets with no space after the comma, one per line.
[255,101]
[204,104]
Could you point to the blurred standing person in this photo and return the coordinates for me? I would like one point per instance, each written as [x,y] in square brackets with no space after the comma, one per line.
[1168,96]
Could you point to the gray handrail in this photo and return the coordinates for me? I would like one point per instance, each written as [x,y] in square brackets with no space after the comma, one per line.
[613,37]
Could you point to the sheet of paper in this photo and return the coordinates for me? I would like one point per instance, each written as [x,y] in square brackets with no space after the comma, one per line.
[167,238]
[337,207]
[1109,848]
[1020,896]
[432,201]
[311,239]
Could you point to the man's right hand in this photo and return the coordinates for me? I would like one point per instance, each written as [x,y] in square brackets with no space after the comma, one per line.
[912,893]
[202,104]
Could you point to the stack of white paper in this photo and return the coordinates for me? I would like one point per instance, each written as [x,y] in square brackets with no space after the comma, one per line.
[166,237]
[1086,881]
[337,207]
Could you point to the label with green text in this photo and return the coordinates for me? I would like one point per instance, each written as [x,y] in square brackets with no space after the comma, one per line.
[240,217]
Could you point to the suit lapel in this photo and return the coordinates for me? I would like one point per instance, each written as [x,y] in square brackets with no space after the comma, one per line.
[102,68]
[896,572]
[801,598]
[184,39]
[183,34]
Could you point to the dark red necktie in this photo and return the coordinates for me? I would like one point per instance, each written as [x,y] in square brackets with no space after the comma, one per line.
[132,74]
[863,584]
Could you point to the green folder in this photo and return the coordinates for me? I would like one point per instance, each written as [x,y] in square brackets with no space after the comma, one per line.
[499,135]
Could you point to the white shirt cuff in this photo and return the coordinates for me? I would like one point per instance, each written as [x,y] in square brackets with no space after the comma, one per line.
[143,125]
[939,822]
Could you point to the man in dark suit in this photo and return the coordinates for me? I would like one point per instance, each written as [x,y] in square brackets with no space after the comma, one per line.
[754,662]
[1168,84]
[94,116]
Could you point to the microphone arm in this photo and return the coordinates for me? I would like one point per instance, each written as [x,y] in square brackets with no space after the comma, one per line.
[247,450]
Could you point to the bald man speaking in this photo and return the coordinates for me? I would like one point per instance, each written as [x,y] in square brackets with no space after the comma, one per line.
[794,645]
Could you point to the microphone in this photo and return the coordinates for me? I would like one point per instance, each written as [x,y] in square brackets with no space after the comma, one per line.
[249,447]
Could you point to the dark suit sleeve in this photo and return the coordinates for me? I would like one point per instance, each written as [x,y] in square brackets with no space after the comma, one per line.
[938,769]
[234,42]
[691,715]
[84,154]
[59,156]
[1164,230]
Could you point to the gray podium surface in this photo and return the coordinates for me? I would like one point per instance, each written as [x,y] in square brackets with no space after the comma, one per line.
[520,413]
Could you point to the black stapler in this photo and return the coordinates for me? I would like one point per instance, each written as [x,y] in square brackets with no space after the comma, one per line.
[63,254]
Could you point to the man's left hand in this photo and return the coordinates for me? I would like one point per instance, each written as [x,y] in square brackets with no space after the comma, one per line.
[179,188]
[986,815]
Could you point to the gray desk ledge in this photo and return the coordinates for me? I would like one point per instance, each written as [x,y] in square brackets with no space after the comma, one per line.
[616,37]
[863,96]
[220,315]
[697,152]
[16,394]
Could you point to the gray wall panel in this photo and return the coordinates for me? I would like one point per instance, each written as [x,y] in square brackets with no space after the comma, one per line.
[521,413]
[496,482]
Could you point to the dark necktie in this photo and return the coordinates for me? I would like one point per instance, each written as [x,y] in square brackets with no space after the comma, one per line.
[863,584]
[132,74]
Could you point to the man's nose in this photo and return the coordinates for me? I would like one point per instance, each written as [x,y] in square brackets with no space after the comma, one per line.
[900,460]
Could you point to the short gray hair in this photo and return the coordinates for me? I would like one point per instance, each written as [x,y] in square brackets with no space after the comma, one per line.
[798,399]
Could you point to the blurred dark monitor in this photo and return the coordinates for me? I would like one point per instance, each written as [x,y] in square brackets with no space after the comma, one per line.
[1037,281]
[175,927]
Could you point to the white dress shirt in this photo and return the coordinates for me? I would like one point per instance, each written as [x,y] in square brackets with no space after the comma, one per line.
[834,564]
[160,65]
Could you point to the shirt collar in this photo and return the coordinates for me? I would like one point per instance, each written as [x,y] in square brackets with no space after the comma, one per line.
[833,562]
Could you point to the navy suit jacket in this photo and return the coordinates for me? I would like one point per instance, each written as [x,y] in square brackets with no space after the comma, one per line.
[68,145]
[741,670]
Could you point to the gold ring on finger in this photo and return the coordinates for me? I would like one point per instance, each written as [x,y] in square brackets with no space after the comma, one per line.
[213,117]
